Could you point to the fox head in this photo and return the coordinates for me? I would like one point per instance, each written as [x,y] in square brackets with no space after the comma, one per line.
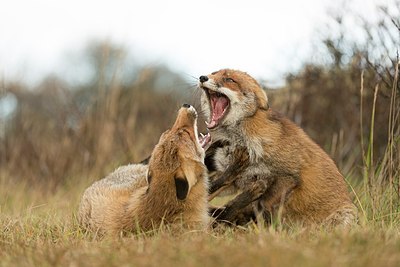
[229,96]
[178,158]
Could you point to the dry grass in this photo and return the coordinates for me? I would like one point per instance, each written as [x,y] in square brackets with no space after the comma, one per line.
[40,230]
[60,139]
[38,225]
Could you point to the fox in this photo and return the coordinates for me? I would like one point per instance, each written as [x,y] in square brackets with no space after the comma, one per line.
[170,187]
[278,170]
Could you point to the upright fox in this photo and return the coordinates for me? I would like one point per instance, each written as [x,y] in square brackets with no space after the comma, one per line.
[172,188]
[274,164]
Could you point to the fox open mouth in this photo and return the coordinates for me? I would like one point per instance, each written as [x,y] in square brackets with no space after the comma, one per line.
[219,104]
[204,140]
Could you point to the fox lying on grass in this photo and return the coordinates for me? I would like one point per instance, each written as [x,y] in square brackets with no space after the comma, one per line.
[274,164]
[172,188]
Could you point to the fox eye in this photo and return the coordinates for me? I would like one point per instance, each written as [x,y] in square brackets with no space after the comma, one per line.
[229,80]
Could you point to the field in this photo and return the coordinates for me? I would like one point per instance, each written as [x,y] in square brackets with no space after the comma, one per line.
[62,137]
[39,229]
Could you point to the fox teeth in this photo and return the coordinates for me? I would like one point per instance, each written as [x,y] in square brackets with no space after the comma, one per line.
[207,124]
[204,139]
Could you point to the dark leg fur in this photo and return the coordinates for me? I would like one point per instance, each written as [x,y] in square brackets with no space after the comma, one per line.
[246,215]
[234,207]
[271,192]
[263,199]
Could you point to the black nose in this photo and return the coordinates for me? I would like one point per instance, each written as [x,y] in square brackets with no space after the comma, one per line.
[186,106]
[203,79]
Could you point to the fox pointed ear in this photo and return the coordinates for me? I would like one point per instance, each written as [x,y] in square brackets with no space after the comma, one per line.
[262,99]
[183,184]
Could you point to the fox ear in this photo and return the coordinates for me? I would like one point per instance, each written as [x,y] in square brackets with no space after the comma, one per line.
[262,99]
[182,187]
[183,184]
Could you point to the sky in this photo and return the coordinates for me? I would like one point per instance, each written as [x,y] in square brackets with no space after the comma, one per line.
[264,38]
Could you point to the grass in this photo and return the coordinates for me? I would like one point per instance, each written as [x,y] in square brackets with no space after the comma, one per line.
[40,230]
[38,225]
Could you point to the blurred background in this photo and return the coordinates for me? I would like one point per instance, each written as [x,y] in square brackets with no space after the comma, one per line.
[86,86]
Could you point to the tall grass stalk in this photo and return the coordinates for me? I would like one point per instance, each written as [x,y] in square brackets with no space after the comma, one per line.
[380,177]
[393,116]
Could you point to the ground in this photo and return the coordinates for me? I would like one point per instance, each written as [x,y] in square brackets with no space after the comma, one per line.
[39,228]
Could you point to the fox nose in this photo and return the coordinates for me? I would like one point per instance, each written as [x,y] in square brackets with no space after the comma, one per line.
[190,109]
[203,79]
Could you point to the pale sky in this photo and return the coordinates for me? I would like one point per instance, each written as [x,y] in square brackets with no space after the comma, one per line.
[264,38]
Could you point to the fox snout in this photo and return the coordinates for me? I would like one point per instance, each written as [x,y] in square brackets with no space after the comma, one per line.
[203,79]
[187,113]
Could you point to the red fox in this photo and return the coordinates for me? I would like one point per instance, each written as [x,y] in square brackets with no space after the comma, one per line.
[274,164]
[172,188]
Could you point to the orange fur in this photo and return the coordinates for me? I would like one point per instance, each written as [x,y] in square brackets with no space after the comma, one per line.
[294,174]
[171,189]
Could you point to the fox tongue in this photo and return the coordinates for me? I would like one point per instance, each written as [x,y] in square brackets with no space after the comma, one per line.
[219,105]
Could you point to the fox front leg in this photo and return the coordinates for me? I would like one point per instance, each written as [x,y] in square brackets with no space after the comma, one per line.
[243,217]
[235,207]
[240,163]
